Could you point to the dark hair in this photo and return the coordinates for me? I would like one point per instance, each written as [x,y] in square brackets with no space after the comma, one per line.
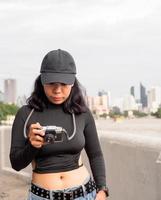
[75,102]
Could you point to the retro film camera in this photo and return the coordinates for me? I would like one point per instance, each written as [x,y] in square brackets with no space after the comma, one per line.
[53,134]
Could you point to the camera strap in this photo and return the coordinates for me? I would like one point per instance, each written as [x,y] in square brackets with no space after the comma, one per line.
[68,137]
[74,127]
[24,128]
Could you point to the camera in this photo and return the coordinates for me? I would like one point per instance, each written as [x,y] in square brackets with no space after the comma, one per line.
[53,134]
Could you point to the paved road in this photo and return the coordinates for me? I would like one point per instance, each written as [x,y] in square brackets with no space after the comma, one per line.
[12,187]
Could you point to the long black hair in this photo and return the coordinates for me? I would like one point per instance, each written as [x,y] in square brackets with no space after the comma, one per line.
[75,102]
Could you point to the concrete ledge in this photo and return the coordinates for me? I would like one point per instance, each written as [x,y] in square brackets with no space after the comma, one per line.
[5,142]
[132,139]
[133,170]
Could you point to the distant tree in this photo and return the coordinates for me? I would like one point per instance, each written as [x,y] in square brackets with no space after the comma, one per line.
[115,112]
[139,114]
[104,115]
[7,109]
[125,113]
[158,113]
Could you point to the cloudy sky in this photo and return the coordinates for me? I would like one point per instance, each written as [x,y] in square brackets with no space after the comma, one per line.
[115,43]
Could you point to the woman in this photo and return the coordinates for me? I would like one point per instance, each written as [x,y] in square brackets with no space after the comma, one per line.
[51,131]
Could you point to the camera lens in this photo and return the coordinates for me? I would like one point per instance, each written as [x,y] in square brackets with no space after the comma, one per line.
[49,138]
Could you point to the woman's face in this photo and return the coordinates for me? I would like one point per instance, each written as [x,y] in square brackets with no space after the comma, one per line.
[57,93]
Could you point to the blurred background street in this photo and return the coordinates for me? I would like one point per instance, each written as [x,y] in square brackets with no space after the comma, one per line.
[12,187]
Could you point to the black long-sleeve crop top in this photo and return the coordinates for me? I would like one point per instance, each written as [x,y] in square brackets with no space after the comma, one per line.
[62,156]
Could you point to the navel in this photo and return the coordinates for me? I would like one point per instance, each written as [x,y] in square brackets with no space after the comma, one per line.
[61,177]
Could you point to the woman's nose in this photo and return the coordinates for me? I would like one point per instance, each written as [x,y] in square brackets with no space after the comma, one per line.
[57,87]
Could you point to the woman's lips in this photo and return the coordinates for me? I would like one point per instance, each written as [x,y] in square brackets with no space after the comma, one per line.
[57,98]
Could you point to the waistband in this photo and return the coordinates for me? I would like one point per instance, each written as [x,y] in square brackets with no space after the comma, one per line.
[66,194]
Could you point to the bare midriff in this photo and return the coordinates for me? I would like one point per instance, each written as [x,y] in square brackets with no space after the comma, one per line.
[62,180]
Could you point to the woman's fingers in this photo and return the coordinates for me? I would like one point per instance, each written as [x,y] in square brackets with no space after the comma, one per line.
[36,135]
[37,141]
[38,132]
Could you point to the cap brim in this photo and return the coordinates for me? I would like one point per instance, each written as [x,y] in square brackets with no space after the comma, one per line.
[57,78]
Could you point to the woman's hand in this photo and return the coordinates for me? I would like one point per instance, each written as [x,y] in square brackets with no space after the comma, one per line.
[101,195]
[36,135]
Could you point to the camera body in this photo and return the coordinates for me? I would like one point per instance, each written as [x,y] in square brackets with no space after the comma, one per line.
[53,134]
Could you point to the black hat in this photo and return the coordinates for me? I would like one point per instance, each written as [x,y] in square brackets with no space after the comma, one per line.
[58,66]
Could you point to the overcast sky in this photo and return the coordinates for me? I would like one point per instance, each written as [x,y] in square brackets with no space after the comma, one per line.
[115,43]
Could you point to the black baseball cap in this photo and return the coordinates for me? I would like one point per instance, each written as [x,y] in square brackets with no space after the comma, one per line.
[58,66]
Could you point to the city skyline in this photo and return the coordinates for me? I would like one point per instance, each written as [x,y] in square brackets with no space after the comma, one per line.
[114,50]
[153,94]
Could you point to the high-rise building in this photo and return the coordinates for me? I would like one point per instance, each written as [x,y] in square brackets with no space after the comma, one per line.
[99,104]
[129,103]
[154,98]
[132,91]
[105,98]
[10,91]
[143,96]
